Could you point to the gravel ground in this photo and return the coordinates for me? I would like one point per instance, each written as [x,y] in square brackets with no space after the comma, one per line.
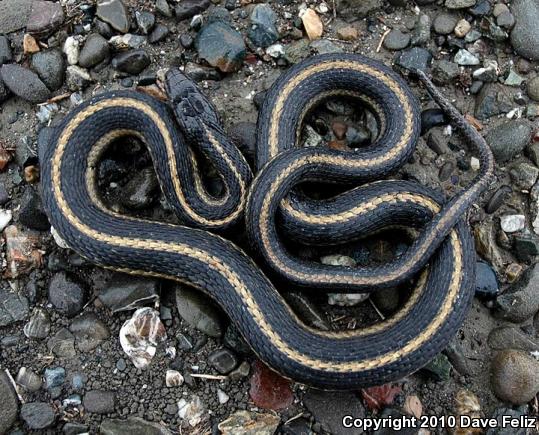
[67,327]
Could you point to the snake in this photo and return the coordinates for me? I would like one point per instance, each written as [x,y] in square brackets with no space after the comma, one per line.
[266,201]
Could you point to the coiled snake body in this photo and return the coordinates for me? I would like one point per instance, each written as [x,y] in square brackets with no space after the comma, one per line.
[328,359]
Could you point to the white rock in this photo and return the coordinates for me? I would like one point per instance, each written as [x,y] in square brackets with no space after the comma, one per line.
[72,50]
[5,218]
[464,57]
[343,299]
[475,164]
[140,335]
[513,222]
[222,396]
[338,260]
[275,50]
[192,411]
[173,378]
[127,41]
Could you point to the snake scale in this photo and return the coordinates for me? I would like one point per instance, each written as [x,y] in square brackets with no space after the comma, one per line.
[439,262]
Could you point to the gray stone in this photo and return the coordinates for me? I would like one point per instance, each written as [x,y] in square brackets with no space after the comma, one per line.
[131,62]
[4,91]
[501,415]
[72,428]
[509,337]
[99,401]
[445,23]
[396,40]
[526,246]
[196,309]
[5,50]
[515,376]
[132,426]
[439,368]
[125,292]
[509,139]
[162,7]
[50,67]
[159,33]
[221,46]
[524,175]
[29,380]
[415,58]
[145,21]
[54,377]
[9,405]
[38,415]
[39,325]
[62,344]
[459,4]
[95,50]
[223,360]
[506,20]
[444,72]
[89,332]
[521,301]
[114,13]
[189,8]
[352,10]
[532,86]
[13,307]
[45,18]
[464,57]
[14,14]
[263,31]
[328,409]
[524,37]
[421,32]
[24,83]
[493,99]
[32,214]
[66,295]
[77,78]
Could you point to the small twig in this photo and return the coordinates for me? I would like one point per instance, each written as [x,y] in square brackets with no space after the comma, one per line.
[382,40]
[212,377]
[376,309]
[14,385]
[293,418]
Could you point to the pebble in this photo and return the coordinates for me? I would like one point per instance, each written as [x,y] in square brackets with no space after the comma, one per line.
[194,308]
[50,68]
[45,18]
[249,423]
[89,332]
[525,246]
[509,337]
[444,72]
[421,31]
[513,222]
[95,50]
[312,24]
[532,88]
[114,12]
[30,45]
[14,14]
[524,175]
[77,78]
[330,417]
[263,31]
[5,50]
[268,389]
[132,62]
[462,28]
[31,213]
[140,336]
[521,301]
[524,36]
[125,292]
[13,307]
[513,79]
[221,46]
[9,405]
[28,380]
[432,118]
[515,376]
[509,139]
[415,58]
[464,57]
[127,41]
[396,40]
[66,295]
[159,33]
[459,4]
[486,283]
[192,411]
[99,401]
[347,33]
[39,325]
[62,344]
[54,377]
[140,192]
[444,23]
[189,8]
[223,360]
[132,425]
[37,415]
[72,50]
[145,21]
[24,83]
[163,8]
[173,378]
[506,20]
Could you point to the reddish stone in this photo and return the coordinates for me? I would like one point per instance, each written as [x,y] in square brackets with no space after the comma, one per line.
[21,252]
[268,389]
[339,129]
[379,397]
[5,158]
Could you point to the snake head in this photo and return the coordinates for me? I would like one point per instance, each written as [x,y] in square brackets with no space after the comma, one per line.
[190,105]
